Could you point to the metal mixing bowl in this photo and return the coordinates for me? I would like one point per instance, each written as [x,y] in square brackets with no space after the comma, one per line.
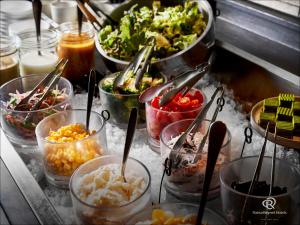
[175,64]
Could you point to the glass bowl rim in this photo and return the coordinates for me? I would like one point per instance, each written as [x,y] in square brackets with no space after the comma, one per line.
[118,94]
[104,207]
[71,142]
[207,209]
[68,98]
[184,120]
[222,182]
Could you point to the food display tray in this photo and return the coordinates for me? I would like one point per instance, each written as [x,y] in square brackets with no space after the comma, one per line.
[286,142]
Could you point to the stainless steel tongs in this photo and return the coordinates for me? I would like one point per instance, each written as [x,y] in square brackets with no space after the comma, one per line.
[184,83]
[91,12]
[50,80]
[194,125]
[138,65]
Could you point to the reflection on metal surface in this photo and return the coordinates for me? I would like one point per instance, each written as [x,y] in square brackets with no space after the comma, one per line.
[40,205]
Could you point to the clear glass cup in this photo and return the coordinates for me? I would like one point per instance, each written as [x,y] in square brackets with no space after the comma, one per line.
[280,209]
[37,58]
[120,105]
[9,59]
[158,119]
[178,209]
[186,179]
[12,121]
[79,49]
[105,215]
[62,159]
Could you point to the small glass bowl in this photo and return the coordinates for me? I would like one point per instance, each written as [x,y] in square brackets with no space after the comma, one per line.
[158,119]
[120,105]
[62,159]
[279,209]
[20,134]
[178,209]
[106,215]
[186,181]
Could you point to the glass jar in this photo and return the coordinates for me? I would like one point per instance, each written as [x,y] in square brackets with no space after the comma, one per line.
[37,58]
[78,49]
[9,59]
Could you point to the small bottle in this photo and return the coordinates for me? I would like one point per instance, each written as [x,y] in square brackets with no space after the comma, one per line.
[9,59]
[79,49]
[37,58]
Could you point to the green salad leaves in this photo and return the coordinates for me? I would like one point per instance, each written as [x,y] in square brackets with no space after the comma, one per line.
[174,28]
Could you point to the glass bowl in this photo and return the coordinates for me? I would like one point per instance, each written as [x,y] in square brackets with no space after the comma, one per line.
[178,209]
[158,119]
[120,105]
[62,159]
[103,214]
[186,179]
[12,121]
[278,209]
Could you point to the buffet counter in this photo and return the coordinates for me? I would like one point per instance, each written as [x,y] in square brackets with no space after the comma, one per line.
[42,203]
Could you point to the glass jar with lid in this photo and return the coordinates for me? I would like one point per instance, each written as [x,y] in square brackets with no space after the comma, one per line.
[78,49]
[9,59]
[37,58]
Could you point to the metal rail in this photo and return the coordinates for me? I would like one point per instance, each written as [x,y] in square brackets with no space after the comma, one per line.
[41,207]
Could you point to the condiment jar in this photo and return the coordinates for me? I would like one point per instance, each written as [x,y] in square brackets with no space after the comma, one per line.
[9,59]
[78,49]
[37,58]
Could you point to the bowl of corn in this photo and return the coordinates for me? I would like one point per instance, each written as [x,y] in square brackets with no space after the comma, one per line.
[66,144]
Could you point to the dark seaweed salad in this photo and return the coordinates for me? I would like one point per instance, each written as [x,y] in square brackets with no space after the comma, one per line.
[174,29]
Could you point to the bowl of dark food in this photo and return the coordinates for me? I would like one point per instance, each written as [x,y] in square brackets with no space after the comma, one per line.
[120,102]
[182,30]
[175,214]
[261,207]
[19,125]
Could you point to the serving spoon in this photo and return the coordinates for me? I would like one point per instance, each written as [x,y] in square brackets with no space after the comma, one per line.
[91,91]
[129,138]
[216,137]
[37,13]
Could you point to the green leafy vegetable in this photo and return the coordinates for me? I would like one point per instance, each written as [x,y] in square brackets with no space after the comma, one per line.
[174,28]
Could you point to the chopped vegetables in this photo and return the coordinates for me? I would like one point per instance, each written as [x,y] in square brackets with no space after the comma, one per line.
[181,107]
[174,28]
[54,97]
[14,120]
[129,83]
[120,102]
[69,133]
[72,148]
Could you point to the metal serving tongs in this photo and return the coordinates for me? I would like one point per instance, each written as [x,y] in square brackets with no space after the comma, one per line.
[90,15]
[138,65]
[220,104]
[256,174]
[190,78]
[43,83]
[194,125]
[50,81]
[183,81]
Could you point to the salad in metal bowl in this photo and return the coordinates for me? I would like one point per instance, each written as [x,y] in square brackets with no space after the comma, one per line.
[174,28]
